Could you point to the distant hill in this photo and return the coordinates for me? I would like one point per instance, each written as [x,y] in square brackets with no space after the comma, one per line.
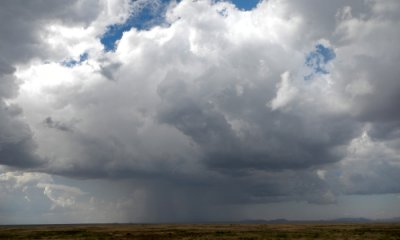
[261,221]
[336,220]
[350,220]
[396,219]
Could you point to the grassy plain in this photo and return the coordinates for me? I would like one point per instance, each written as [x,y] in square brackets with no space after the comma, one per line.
[205,231]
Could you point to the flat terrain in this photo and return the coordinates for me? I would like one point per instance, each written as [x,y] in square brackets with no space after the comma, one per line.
[204,231]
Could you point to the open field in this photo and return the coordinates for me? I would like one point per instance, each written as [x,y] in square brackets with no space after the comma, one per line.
[204,231]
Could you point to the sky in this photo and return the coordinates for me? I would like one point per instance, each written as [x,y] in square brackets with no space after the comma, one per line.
[188,111]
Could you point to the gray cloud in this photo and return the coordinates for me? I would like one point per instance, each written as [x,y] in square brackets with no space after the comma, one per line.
[22,27]
[16,143]
[49,122]
[108,69]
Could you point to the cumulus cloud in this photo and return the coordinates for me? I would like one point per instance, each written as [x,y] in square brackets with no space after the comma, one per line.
[215,106]
[28,197]
[60,195]
[285,93]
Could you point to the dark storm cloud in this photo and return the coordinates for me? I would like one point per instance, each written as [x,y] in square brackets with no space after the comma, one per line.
[274,140]
[387,130]
[379,177]
[373,181]
[20,154]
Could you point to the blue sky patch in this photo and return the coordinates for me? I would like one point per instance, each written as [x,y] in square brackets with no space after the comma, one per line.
[317,60]
[151,14]
[245,4]
[72,62]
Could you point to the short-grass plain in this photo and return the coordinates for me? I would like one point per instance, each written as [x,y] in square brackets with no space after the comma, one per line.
[205,231]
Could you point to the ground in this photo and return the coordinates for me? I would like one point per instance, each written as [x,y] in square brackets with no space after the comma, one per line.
[204,231]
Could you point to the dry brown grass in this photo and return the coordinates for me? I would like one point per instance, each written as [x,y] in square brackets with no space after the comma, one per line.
[205,231]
